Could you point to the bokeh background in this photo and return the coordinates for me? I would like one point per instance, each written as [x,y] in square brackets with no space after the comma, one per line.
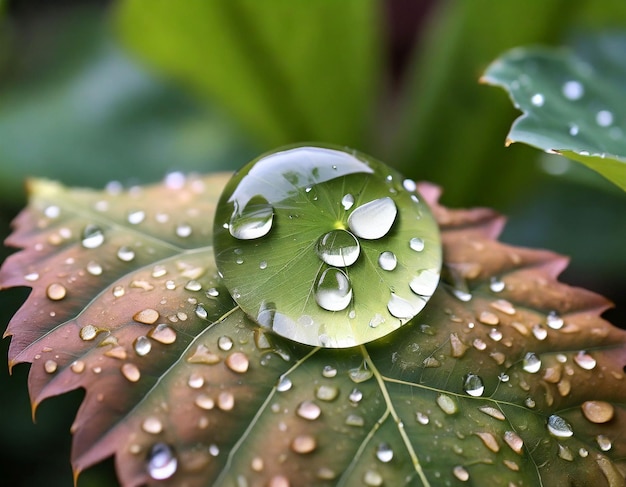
[93,91]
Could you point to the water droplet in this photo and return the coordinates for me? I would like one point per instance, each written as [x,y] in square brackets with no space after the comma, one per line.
[387,261]
[496,285]
[225,401]
[92,237]
[458,348]
[279,481]
[326,393]
[554,321]
[94,268]
[131,372]
[355,396]
[333,290]
[225,343]
[52,212]
[598,411]
[88,332]
[531,363]
[214,450]
[530,402]
[56,292]
[203,401]
[565,453]
[163,333]
[489,441]
[573,131]
[262,265]
[447,404]
[461,473]
[308,410]
[604,118]
[347,201]
[303,444]
[252,222]
[573,90]
[585,361]
[604,442]
[284,384]
[409,185]
[479,344]
[384,453]
[360,374]
[201,312]
[355,420]
[558,427]
[400,307]
[162,463]
[212,292]
[237,362]
[193,285]
[195,381]
[338,248]
[152,425]
[514,441]
[422,418]
[136,217]
[31,276]
[416,244]
[183,230]
[372,478]
[540,332]
[142,346]
[125,254]
[473,385]
[146,316]
[50,366]
[374,219]
[537,100]
[495,334]
[488,318]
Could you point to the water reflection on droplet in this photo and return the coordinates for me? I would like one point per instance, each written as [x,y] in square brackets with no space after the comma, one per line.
[308,410]
[142,346]
[416,244]
[473,385]
[374,219]
[531,363]
[56,291]
[162,463]
[347,201]
[384,452]
[333,290]
[585,361]
[338,248]
[558,427]
[92,237]
[252,222]
[125,254]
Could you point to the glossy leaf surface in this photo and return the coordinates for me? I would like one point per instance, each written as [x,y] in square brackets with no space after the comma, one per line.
[573,103]
[506,375]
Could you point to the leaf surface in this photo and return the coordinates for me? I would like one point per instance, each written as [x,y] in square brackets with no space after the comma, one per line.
[573,102]
[506,374]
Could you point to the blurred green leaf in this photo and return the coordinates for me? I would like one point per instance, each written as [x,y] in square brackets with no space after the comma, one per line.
[572,106]
[290,71]
[92,115]
[452,124]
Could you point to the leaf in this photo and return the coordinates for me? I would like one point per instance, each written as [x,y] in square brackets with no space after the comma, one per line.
[275,65]
[572,104]
[506,374]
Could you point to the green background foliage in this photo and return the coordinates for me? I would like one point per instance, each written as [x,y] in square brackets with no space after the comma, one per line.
[118,90]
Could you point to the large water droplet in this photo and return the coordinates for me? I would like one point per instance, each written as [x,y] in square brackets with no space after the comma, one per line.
[225,343]
[92,237]
[554,321]
[56,292]
[146,316]
[558,427]
[531,363]
[360,374]
[338,248]
[329,371]
[142,346]
[598,411]
[333,290]
[384,452]
[225,401]
[88,332]
[50,366]
[308,410]
[162,463]
[238,362]
[400,307]
[473,385]
[284,384]
[374,219]
[416,244]
[253,221]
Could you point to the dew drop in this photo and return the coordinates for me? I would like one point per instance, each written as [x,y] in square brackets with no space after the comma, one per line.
[225,343]
[447,404]
[493,412]
[142,346]
[163,333]
[125,254]
[488,318]
[333,290]
[152,425]
[94,268]
[183,230]
[146,316]
[495,334]
[254,221]
[52,212]
[347,201]
[203,401]
[195,381]
[193,285]
[387,261]
[308,410]
[585,361]
[537,99]
[422,418]
[531,363]
[558,427]
[201,312]
[214,450]
[329,371]
[88,332]
[50,366]
[92,237]
[604,118]
[136,217]
[338,248]
[409,185]
[604,442]
[384,453]
[326,393]
[573,131]
[374,219]
[262,265]
[400,307]
[238,362]
[355,396]
[489,441]
[473,385]
[78,366]
[284,384]
[554,321]
[540,332]
[416,244]
[131,372]
[56,292]
[461,473]
[225,401]
[279,481]
[514,441]
[31,276]
[303,444]
[496,285]
[212,292]
[162,463]
[372,478]
[360,374]
[573,90]
[598,411]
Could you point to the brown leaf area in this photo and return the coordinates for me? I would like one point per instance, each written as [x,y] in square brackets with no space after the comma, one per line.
[505,373]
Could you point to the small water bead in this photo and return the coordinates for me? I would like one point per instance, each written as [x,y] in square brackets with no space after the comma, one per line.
[473,385]
[183,230]
[598,412]
[604,118]
[360,374]
[225,343]
[447,404]
[284,384]
[604,442]
[585,361]
[326,392]
[170,285]
[263,265]
[374,219]
[333,290]
[347,201]
[493,412]
[201,312]
[461,473]
[31,276]
[400,307]
[92,237]
[495,334]
[78,366]
[125,254]
[308,410]
[355,396]
[573,130]
[573,90]
[162,463]
[537,100]
[409,185]
[136,217]
[417,244]
[253,221]
[163,333]
[225,401]
[387,261]
[503,377]
[238,362]
[152,425]
[329,371]
[496,285]
[50,366]
[384,452]
[530,402]
[56,291]
[372,478]
[146,316]
[303,444]
[193,285]
[88,332]
[514,441]
[540,332]
[94,268]
[422,418]
[558,427]
[554,321]
[531,363]
[142,346]
[338,248]
[355,420]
